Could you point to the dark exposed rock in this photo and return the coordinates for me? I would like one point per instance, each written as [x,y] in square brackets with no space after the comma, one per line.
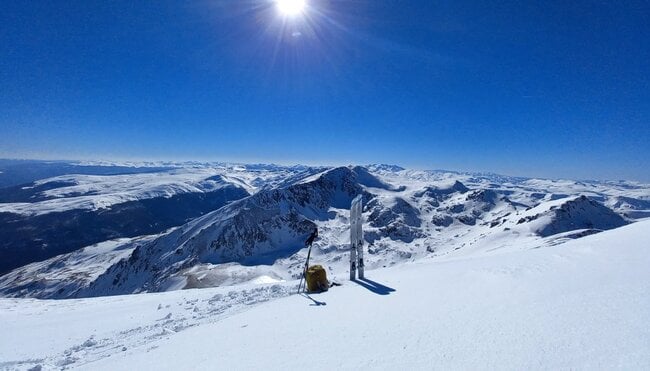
[442,220]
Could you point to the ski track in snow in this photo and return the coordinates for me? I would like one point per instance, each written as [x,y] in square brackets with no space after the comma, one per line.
[151,317]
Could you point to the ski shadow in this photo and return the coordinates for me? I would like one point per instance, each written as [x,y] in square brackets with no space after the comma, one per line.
[373,286]
[315,303]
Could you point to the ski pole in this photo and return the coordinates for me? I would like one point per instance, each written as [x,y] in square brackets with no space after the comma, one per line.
[304,271]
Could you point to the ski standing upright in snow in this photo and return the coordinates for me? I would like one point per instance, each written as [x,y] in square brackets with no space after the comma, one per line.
[356,238]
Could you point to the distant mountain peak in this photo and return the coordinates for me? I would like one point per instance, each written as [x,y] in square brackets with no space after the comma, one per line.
[572,213]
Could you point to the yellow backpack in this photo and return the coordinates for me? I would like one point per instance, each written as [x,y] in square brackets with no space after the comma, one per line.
[317,279]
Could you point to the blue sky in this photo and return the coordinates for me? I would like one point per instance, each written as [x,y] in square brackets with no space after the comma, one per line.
[552,89]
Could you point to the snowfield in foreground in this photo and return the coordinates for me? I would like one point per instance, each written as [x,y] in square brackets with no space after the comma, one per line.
[581,304]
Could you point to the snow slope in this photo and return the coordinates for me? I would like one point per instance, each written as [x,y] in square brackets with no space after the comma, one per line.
[582,304]
[67,273]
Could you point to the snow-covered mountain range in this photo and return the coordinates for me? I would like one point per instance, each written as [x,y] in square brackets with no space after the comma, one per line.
[234,224]
[57,215]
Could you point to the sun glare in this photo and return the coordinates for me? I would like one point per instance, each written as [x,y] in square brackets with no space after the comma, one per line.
[291,8]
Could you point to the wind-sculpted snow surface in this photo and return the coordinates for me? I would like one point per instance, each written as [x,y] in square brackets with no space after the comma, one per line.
[81,332]
[408,215]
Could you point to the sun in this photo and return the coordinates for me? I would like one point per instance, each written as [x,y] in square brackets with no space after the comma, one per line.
[291,8]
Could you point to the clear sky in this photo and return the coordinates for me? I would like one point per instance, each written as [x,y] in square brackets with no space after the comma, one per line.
[544,88]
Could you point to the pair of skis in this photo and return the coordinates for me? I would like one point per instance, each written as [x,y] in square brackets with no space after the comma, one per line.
[356,238]
[356,243]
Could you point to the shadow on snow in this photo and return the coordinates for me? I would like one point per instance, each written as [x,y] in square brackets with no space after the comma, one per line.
[373,286]
[314,301]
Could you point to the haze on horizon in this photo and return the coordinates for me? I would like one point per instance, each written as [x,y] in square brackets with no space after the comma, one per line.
[558,90]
